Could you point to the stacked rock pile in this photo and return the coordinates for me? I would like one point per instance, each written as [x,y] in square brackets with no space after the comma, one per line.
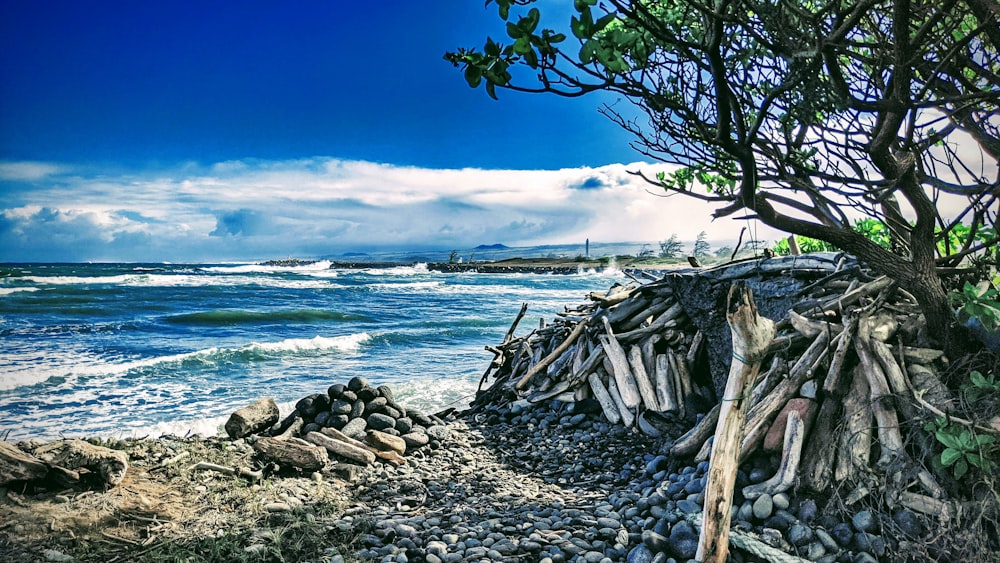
[357,408]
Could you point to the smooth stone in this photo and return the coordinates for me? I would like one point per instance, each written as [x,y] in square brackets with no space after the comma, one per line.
[863,521]
[688,507]
[763,506]
[863,541]
[355,428]
[775,438]
[357,409]
[340,406]
[336,390]
[419,417]
[356,383]
[656,464]
[909,523]
[781,501]
[379,421]
[808,510]
[640,554]
[654,541]
[824,538]
[683,542]
[809,389]
[864,557]
[815,551]
[415,440]
[404,425]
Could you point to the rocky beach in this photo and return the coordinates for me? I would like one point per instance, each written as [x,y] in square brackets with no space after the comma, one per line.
[543,466]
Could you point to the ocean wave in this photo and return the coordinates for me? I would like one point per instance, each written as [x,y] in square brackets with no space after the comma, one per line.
[414,270]
[9,290]
[320,266]
[229,317]
[61,369]
[406,286]
[181,280]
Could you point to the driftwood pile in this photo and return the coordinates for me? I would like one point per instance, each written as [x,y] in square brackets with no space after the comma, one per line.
[847,379]
[356,423]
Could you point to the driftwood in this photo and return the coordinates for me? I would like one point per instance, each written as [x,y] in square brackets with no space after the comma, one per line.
[752,334]
[854,447]
[240,471]
[109,465]
[342,449]
[620,368]
[292,452]
[252,419]
[608,406]
[16,465]
[791,454]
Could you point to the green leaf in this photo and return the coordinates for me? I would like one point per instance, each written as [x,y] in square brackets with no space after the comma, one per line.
[531,22]
[961,468]
[514,31]
[491,90]
[947,439]
[950,456]
[473,75]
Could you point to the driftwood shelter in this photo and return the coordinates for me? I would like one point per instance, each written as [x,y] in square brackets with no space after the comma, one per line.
[847,381]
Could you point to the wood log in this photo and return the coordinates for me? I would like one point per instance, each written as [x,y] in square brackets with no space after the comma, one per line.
[292,429]
[659,306]
[761,415]
[810,328]
[942,510]
[668,319]
[16,465]
[791,454]
[292,452]
[664,384]
[610,299]
[241,471]
[692,353]
[921,355]
[628,309]
[678,384]
[855,441]
[608,405]
[821,449]
[693,439]
[751,334]
[109,465]
[835,374]
[890,440]
[553,356]
[648,347]
[646,390]
[251,419]
[683,374]
[836,304]
[620,368]
[591,363]
[628,418]
[342,449]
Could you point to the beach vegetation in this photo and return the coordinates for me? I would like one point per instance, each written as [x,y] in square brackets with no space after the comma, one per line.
[802,115]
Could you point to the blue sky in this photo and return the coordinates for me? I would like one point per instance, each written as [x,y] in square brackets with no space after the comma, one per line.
[193,131]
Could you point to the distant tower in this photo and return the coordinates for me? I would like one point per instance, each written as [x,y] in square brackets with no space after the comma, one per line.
[587,253]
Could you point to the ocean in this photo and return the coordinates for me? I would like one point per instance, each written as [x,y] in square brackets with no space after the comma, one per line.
[134,350]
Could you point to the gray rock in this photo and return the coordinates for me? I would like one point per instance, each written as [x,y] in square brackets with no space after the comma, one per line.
[438,432]
[688,507]
[815,551]
[357,409]
[828,542]
[404,425]
[780,501]
[340,406]
[763,506]
[379,421]
[864,521]
[385,391]
[415,440]
[909,523]
[807,510]
[355,428]
[356,383]
[809,389]
[843,534]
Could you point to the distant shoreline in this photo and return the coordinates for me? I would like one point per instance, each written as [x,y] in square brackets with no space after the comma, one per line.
[520,265]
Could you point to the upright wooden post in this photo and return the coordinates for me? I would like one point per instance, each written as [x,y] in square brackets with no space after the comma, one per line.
[751,335]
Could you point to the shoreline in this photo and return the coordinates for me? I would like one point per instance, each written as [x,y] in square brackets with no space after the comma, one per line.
[523,265]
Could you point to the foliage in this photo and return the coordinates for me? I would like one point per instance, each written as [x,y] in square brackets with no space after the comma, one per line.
[702,247]
[806,245]
[963,447]
[801,113]
[671,247]
[724,252]
[981,386]
[979,302]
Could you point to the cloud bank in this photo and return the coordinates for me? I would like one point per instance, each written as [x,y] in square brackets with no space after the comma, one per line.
[251,210]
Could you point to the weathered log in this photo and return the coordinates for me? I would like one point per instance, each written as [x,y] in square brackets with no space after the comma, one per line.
[761,415]
[835,374]
[821,449]
[646,390]
[292,429]
[385,442]
[610,299]
[261,415]
[665,395]
[628,309]
[668,319]
[921,355]
[342,449]
[608,405]
[692,353]
[655,310]
[16,465]
[241,471]
[810,328]
[890,440]
[553,356]
[836,304]
[791,454]
[620,368]
[693,439]
[683,374]
[678,383]
[109,465]
[751,334]
[292,452]
[628,418]
[942,510]
[855,441]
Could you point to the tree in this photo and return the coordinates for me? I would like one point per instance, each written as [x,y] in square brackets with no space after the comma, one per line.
[671,247]
[801,113]
[701,246]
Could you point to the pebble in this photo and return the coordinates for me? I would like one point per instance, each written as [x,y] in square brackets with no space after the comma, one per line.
[763,506]
[683,541]
[863,521]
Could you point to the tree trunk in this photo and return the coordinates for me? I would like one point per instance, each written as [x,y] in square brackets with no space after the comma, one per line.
[751,336]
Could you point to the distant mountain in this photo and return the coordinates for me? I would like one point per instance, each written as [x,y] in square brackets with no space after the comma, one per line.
[491,247]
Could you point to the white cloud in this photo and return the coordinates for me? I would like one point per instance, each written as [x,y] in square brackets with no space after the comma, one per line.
[27,171]
[258,209]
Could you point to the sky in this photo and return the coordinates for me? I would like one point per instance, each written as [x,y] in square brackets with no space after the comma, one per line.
[221,131]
